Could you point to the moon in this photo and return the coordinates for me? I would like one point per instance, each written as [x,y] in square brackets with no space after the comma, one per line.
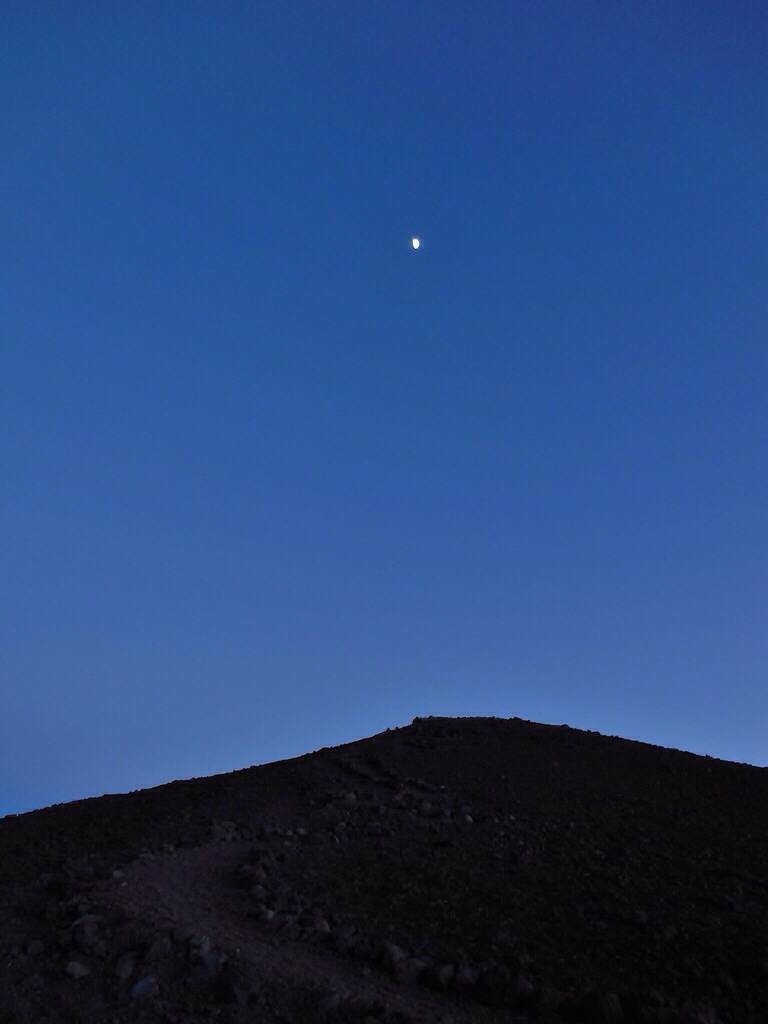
[415,242]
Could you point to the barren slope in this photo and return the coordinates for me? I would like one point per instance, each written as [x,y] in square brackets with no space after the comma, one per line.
[474,869]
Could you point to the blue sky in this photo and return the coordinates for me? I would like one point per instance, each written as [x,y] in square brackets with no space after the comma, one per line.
[273,481]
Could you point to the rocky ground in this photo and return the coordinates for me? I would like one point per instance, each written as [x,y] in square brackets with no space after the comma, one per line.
[455,870]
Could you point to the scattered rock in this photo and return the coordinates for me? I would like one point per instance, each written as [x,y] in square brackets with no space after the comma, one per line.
[330,1003]
[182,935]
[613,1012]
[410,970]
[224,831]
[147,986]
[393,954]
[77,970]
[496,986]
[200,945]
[445,974]
[125,966]
[466,976]
[525,991]
[159,950]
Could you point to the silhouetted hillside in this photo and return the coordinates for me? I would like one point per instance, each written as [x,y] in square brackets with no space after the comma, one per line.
[474,869]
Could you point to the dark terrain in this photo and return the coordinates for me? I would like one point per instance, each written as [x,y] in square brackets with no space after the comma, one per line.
[455,870]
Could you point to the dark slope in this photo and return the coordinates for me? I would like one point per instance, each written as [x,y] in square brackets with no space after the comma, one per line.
[475,869]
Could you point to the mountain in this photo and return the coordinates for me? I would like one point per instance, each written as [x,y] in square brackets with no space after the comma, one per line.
[455,870]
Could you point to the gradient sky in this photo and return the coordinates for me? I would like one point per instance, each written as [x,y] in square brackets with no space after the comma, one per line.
[273,481]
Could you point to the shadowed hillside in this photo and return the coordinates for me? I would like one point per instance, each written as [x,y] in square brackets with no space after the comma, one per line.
[456,870]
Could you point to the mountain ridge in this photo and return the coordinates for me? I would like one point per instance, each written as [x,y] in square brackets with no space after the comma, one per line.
[457,869]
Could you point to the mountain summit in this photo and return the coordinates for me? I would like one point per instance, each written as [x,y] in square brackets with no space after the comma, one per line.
[456,869]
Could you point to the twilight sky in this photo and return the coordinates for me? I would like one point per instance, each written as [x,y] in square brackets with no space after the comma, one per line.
[272,480]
